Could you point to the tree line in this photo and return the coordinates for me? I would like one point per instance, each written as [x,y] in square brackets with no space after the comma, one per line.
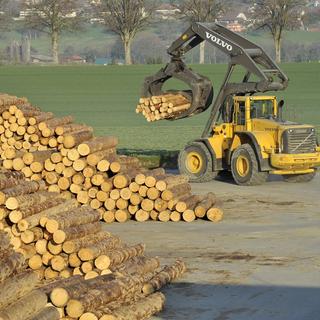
[126,18]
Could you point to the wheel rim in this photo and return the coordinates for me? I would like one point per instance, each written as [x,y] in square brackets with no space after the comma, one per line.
[194,162]
[243,166]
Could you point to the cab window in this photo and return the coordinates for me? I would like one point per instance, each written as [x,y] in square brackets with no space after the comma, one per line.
[262,109]
[241,114]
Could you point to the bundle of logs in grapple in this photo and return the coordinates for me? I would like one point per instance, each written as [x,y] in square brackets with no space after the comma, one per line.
[83,271]
[162,107]
[76,164]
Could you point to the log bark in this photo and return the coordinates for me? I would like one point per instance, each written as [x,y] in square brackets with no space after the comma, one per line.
[73,217]
[16,287]
[4,241]
[175,191]
[95,298]
[97,144]
[75,138]
[25,187]
[26,307]
[142,309]
[71,127]
[89,240]
[4,174]
[94,158]
[119,256]
[10,264]
[138,266]
[104,246]
[48,313]
[6,183]
[60,236]
[30,200]
[55,122]
[189,202]
[163,277]
[37,156]
[34,220]
[202,207]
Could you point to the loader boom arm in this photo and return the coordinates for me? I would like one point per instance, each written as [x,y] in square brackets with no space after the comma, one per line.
[241,51]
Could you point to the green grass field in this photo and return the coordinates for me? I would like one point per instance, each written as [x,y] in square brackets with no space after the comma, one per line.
[105,97]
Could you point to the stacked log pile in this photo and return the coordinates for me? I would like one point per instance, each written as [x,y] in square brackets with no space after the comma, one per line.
[86,272]
[166,106]
[78,165]
[19,297]
[118,296]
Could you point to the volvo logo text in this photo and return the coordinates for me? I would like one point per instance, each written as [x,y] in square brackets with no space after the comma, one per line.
[218,41]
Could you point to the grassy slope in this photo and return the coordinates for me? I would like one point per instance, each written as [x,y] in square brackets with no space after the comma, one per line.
[105,97]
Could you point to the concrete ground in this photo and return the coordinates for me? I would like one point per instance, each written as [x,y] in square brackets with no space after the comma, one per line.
[261,262]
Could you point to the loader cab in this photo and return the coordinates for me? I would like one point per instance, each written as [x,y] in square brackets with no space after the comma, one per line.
[246,108]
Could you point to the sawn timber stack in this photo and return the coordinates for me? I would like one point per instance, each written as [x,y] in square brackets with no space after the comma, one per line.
[78,165]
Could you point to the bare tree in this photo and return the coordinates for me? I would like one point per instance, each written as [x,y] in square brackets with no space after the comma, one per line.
[126,18]
[200,11]
[277,16]
[4,15]
[53,17]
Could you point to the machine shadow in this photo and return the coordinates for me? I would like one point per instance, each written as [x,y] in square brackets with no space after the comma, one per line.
[168,159]
[190,301]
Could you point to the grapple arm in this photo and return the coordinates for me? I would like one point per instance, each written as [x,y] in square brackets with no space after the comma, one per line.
[200,93]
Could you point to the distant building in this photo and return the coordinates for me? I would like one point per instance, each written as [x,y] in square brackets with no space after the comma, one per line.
[236,27]
[74,59]
[40,58]
[234,20]
[166,11]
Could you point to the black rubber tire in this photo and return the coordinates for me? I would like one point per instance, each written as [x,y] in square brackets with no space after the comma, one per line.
[206,172]
[296,178]
[255,176]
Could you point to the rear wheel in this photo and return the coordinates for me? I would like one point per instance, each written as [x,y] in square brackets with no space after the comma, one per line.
[295,178]
[245,168]
[195,161]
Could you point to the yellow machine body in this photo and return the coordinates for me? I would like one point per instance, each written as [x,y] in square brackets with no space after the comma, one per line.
[267,135]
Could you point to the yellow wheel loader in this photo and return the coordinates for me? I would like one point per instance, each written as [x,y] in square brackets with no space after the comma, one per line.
[245,133]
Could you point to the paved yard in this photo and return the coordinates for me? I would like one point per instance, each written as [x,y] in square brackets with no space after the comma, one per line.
[262,262]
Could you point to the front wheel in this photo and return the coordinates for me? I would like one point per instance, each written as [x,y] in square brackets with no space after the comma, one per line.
[245,168]
[295,178]
[196,162]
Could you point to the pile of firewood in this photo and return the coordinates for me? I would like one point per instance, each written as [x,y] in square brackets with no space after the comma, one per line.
[86,272]
[162,107]
[76,164]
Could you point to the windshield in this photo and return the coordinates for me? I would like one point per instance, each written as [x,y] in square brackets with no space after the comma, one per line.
[262,109]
